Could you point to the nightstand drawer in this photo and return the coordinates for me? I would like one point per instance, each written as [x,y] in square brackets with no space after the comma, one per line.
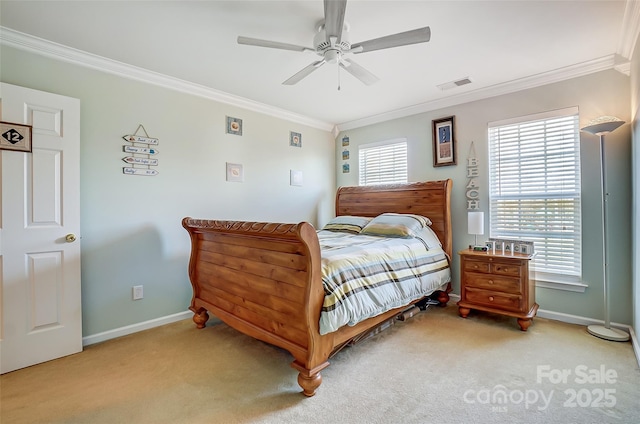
[506,269]
[476,266]
[503,301]
[493,282]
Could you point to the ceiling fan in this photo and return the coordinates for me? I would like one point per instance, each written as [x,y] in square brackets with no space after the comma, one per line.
[332,44]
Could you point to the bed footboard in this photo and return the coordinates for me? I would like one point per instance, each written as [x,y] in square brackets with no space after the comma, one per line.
[263,279]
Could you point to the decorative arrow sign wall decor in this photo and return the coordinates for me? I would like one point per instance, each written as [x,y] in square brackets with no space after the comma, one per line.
[140,171]
[140,161]
[138,139]
[143,153]
[141,150]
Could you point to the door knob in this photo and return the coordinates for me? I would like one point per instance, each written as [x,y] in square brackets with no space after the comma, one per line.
[70,238]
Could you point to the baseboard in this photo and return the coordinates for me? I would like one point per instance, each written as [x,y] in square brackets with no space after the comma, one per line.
[574,319]
[568,318]
[134,328]
[542,313]
[579,320]
[635,344]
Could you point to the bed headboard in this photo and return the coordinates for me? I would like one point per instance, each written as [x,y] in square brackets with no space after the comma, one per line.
[431,199]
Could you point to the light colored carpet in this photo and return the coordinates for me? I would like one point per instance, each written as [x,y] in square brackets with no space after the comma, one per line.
[436,367]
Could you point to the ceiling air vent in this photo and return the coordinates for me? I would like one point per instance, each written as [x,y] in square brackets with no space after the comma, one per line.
[454,84]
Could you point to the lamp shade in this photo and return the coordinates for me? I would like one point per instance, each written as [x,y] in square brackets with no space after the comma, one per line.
[603,125]
[475,222]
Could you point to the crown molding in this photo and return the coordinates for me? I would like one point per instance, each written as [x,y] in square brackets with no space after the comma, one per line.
[573,71]
[64,53]
[630,29]
[624,68]
[620,61]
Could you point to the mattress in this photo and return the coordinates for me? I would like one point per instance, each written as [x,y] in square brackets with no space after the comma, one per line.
[364,276]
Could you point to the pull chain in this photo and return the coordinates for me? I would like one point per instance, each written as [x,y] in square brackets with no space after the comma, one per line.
[338,77]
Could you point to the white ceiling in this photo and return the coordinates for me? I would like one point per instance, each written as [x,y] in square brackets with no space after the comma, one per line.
[500,45]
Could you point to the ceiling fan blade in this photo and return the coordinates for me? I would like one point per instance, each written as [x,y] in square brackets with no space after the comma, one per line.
[334,18]
[358,71]
[272,44]
[304,72]
[420,35]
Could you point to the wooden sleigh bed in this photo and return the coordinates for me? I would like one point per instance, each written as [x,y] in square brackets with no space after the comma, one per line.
[264,279]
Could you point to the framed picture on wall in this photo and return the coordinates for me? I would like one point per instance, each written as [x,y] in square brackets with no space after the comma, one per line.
[295,139]
[15,137]
[234,125]
[295,178]
[235,172]
[444,142]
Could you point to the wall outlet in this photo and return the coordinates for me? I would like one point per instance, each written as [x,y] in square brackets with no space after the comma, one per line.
[137,293]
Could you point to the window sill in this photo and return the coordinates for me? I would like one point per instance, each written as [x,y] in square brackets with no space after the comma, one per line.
[549,280]
[556,284]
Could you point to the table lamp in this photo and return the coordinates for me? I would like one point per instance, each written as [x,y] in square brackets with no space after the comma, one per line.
[475,225]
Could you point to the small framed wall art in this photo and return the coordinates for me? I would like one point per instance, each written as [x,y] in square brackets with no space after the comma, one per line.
[295,139]
[15,137]
[234,125]
[295,178]
[235,172]
[444,142]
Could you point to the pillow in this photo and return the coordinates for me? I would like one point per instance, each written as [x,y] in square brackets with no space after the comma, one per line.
[396,225]
[429,237]
[347,224]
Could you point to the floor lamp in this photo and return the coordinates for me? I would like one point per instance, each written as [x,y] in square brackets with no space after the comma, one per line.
[600,127]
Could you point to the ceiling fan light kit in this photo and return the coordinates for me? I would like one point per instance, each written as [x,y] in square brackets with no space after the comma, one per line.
[332,43]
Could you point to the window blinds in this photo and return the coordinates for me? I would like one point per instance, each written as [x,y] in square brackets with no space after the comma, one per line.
[535,188]
[383,163]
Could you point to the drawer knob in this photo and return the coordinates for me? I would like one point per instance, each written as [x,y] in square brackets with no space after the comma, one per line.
[490,281]
[491,298]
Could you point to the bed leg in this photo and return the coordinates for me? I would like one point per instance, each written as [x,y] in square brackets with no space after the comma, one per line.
[442,297]
[200,317]
[309,380]
[309,383]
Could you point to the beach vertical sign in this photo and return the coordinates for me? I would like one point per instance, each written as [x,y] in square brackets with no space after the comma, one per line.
[472,188]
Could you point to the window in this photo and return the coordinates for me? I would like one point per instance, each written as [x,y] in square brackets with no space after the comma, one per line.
[534,189]
[383,163]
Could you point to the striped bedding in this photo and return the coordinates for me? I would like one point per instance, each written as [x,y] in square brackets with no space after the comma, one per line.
[364,276]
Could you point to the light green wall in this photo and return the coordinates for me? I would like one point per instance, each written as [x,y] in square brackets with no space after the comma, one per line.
[635,107]
[131,225]
[131,231]
[603,93]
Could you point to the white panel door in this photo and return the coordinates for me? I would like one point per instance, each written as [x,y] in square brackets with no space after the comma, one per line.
[41,315]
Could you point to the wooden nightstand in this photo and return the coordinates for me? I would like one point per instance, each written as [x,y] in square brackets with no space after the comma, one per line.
[499,283]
